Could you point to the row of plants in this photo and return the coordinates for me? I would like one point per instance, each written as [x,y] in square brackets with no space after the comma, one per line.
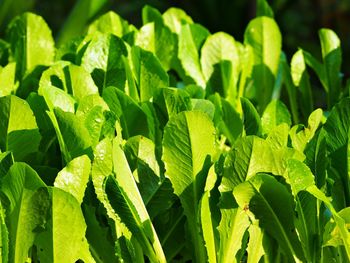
[169,143]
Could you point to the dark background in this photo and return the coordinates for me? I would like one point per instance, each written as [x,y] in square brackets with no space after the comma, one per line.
[299,20]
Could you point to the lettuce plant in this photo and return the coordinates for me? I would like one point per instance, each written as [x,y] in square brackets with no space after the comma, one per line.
[169,143]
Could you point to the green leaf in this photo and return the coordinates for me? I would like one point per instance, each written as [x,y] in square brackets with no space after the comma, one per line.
[109,23]
[332,236]
[317,66]
[255,247]
[102,167]
[71,78]
[38,47]
[301,81]
[332,59]
[94,120]
[298,176]
[159,40]
[218,49]
[19,132]
[337,129]
[233,224]
[154,36]
[74,177]
[155,189]
[340,222]
[174,18]
[272,205]
[7,80]
[189,140]
[300,136]
[148,72]
[316,157]
[291,89]
[63,237]
[263,35]
[89,102]
[99,237]
[132,118]
[252,155]
[25,209]
[57,98]
[190,38]
[103,59]
[226,119]
[73,137]
[176,100]
[4,236]
[6,161]
[207,222]
[275,114]
[278,136]
[125,198]
[251,118]
[263,9]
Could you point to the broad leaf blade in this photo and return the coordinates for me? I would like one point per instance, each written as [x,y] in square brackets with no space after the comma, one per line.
[272,205]
[25,210]
[332,59]
[194,137]
[103,59]
[74,177]
[64,235]
[263,35]
[19,135]
[38,47]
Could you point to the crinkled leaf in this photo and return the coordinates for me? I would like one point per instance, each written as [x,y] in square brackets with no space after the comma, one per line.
[252,155]
[301,136]
[74,177]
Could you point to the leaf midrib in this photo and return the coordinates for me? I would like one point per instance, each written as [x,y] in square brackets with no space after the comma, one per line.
[289,245]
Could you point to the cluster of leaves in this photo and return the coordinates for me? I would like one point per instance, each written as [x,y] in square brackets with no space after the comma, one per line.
[167,144]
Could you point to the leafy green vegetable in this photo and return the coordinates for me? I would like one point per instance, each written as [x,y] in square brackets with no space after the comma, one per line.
[20,136]
[169,143]
[263,35]
[38,47]
[193,148]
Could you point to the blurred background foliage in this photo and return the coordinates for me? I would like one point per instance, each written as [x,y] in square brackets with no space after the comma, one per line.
[299,20]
